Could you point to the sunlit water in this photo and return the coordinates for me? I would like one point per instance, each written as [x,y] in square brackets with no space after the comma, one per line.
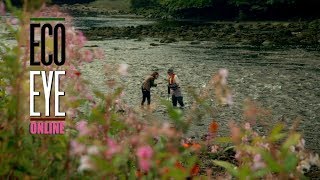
[88,22]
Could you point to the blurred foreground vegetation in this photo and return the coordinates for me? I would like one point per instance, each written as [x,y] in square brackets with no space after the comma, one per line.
[110,140]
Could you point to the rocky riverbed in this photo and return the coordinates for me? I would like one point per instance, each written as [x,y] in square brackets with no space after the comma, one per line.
[277,64]
[284,81]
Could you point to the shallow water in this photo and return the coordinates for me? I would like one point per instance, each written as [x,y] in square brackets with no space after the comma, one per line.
[283,80]
[89,22]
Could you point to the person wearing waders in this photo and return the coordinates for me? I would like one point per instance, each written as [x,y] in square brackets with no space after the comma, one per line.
[174,89]
[146,86]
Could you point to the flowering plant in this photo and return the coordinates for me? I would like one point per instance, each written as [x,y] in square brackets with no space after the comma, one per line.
[110,140]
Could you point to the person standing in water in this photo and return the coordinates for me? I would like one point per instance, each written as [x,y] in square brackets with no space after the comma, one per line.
[174,89]
[146,86]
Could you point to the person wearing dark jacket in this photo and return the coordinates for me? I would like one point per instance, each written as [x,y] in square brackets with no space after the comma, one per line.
[146,86]
[174,89]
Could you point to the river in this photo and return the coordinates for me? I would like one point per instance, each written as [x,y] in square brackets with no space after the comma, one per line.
[283,80]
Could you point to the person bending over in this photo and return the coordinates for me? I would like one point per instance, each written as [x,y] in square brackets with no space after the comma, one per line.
[146,86]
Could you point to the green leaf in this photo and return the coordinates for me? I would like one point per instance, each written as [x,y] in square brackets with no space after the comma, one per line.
[191,161]
[160,145]
[175,173]
[132,175]
[176,116]
[97,115]
[223,140]
[271,162]
[4,169]
[276,134]
[260,173]
[293,139]
[228,148]
[103,165]
[98,94]
[232,169]
[290,162]
[244,172]
[116,126]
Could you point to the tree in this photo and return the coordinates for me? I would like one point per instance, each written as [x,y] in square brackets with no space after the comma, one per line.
[184,4]
[136,4]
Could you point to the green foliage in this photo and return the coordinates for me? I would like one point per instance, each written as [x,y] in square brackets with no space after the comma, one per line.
[136,4]
[271,156]
[219,9]
[184,4]
[22,154]
[260,5]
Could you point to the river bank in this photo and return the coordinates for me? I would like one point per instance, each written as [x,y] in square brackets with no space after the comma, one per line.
[255,33]
[242,33]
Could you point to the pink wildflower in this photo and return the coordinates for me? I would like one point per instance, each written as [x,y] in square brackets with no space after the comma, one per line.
[238,155]
[235,132]
[247,126]
[72,98]
[14,21]
[144,164]
[123,69]
[89,97]
[113,148]
[2,9]
[88,56]
[214,148]
[245,139]
[77,148]
[9,89]
[264,145]
[81,39]
[257,162]
[71,113]
[99,53]
[93,150]
[70,33]
[229,100]
[301,143]
[83,128]
[223,73]
[144,154]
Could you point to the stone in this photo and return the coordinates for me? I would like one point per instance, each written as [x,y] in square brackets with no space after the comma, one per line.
[267,43]
[194,42]
[154,44]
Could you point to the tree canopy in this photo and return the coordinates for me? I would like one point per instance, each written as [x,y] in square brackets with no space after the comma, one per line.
[257,9]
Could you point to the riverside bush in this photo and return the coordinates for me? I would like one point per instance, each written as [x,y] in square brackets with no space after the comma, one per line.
[110,140]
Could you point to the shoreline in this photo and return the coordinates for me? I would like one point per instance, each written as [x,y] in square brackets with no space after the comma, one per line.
[244,33]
